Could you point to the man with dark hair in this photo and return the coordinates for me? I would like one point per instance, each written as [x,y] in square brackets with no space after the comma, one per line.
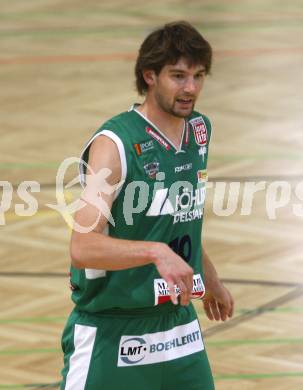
[134,274]
[166,46]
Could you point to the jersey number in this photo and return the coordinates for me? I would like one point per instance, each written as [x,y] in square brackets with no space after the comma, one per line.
[182,246]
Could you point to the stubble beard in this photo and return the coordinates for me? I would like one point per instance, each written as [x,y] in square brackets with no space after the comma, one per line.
[171,108]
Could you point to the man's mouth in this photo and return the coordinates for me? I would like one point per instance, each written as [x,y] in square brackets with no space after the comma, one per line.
[185,100]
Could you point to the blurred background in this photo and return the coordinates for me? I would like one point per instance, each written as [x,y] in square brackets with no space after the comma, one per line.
[67,66]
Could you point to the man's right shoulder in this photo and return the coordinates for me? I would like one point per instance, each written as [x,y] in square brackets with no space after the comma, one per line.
[114,128]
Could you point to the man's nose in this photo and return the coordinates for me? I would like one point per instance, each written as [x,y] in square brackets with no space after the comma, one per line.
[190,85]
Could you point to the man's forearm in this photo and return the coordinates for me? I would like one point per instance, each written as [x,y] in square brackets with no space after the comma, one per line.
[210,274]
[98,251]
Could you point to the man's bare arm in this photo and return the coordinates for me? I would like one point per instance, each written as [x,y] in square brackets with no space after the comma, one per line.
[99,251]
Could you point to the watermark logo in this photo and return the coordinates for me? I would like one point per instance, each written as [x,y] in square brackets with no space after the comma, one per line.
[95,182]
[183,200]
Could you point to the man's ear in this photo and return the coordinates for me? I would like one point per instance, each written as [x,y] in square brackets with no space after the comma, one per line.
[149,77]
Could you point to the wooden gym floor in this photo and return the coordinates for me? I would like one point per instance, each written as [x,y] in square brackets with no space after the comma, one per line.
[66,66]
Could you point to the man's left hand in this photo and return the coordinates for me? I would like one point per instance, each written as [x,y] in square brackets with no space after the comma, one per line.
[218,302]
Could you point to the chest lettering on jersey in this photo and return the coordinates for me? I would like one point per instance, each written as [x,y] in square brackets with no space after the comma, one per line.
[184,205]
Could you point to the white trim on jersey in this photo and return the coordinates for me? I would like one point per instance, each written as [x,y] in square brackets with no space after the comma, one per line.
[110,134]
[121,149]
[84,339]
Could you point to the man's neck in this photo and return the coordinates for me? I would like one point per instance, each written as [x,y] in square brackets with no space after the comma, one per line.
[169,125]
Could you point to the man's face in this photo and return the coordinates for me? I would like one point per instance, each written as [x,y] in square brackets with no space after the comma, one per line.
[177,88]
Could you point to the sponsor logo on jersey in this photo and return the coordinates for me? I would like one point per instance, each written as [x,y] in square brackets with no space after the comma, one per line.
[185,167]
[200,131]
[202,152]
[185,207]
[160,205]
[132,350]
[150,348]
[158,138]
[162,291]
[151,169]
[202,175]
[144,147]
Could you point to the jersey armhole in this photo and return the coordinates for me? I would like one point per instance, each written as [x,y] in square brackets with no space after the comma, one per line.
[117,140]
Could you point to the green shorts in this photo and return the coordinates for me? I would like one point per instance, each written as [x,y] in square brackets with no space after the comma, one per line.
[157,348]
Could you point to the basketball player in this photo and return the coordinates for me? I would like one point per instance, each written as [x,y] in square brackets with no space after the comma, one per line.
[133,277]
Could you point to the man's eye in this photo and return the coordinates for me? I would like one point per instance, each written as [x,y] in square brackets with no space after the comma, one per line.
[178,76]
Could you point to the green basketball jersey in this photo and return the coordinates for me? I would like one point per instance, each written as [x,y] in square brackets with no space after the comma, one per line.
[161,199]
